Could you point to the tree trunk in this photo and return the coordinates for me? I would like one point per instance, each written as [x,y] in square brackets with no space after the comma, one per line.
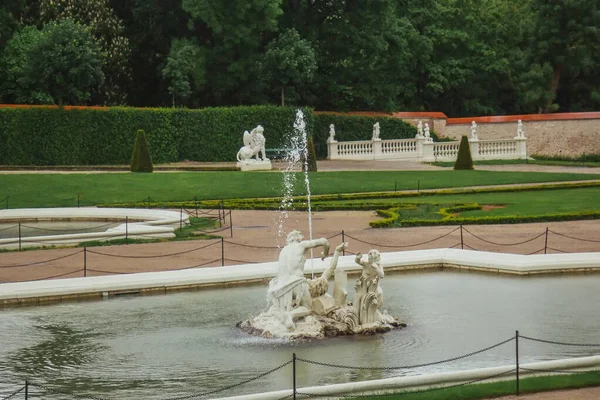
[555,81]
[282,96]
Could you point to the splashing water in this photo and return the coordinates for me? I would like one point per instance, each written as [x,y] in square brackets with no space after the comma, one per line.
[295,156]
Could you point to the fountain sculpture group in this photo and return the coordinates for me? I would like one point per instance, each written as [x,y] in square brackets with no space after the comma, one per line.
[301,308]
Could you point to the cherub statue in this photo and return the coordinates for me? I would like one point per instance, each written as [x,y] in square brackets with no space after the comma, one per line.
[369,296]
[420,129]
[376,131]
[331,134]
[427,134]
[520,131]
[474,131]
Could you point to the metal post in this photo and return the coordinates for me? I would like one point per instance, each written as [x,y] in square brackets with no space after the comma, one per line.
[196,205]
[294,373]
[517,357]
[343,240]
[546,241]
[230,222]
[126,230]
[219,211]
[19,236]
[26,389]
[462,245]
[77,200]
[222,252]
[181,220]
[84,262]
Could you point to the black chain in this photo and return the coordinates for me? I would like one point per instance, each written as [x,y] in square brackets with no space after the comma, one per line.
[249,245]
[109,272]
[67,230]
[242,261]
[13,394]
[10,227]
[54,276]
[469,247]
[560,251]
[401,246]
[287,397]
[191,396]
[559,343]
[407,366]
[156,256]
[533,252]
[41,262]
[198,265]
[504,244]
[56,391]
[574,238]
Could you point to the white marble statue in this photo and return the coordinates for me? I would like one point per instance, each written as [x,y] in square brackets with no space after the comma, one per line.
[426,133]
[376,131]
[289,290]
[420,130]
[474,131]
[254,144]
[331,138]
[520,130]
[301,308]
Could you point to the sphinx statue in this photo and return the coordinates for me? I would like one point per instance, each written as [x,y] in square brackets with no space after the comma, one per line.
[302,308]
[248,156]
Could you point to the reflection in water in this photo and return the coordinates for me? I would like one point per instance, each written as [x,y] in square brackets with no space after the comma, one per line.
[185,343]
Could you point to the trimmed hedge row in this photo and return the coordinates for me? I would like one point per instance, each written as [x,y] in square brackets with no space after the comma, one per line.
[353,127]
[50,136]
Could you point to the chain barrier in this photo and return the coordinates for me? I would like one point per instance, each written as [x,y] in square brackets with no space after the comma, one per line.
[574,238]
[191,396]
[251,246]
[61,392]
[407,366]
[242,261]
[108,272]
[419,391]
[10,227]
[504,244]
[403,246]
[559,343]
[558,250]
[533,252]
[469,247]
[67,230]
[13,394]
[41,262]
[155,256]
[198,265]
[287,397]
[54,276]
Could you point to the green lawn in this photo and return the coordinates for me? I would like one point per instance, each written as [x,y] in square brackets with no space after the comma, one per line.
[563,163]
[495,389]
[534,202]
[54,190]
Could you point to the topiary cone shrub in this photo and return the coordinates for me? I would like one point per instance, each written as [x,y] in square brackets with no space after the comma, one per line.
[312,156]
[464,160]
[141,160]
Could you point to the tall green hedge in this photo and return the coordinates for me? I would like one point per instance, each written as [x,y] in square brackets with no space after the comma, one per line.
[50,136]
[352,127]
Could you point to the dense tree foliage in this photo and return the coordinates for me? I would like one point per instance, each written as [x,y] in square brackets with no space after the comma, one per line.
[461,57]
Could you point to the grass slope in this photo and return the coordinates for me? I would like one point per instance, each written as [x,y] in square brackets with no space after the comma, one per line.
[56,190]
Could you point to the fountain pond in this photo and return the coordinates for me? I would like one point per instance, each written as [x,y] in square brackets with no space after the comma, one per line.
[165,346]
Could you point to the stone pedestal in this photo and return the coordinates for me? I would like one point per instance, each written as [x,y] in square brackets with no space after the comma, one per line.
[255,166]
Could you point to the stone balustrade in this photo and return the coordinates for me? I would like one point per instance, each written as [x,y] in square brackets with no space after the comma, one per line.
[423,149]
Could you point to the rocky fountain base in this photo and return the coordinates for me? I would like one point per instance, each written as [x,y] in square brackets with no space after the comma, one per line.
[301,308]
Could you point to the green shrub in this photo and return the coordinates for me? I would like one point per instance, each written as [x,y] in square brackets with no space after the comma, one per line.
[100,136]
[141,160]
[353,127]
[311,165]
[464,160]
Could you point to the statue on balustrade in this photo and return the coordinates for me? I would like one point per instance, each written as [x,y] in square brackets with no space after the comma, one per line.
[331,138]
[474,131]
[376,131]
[520,130]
